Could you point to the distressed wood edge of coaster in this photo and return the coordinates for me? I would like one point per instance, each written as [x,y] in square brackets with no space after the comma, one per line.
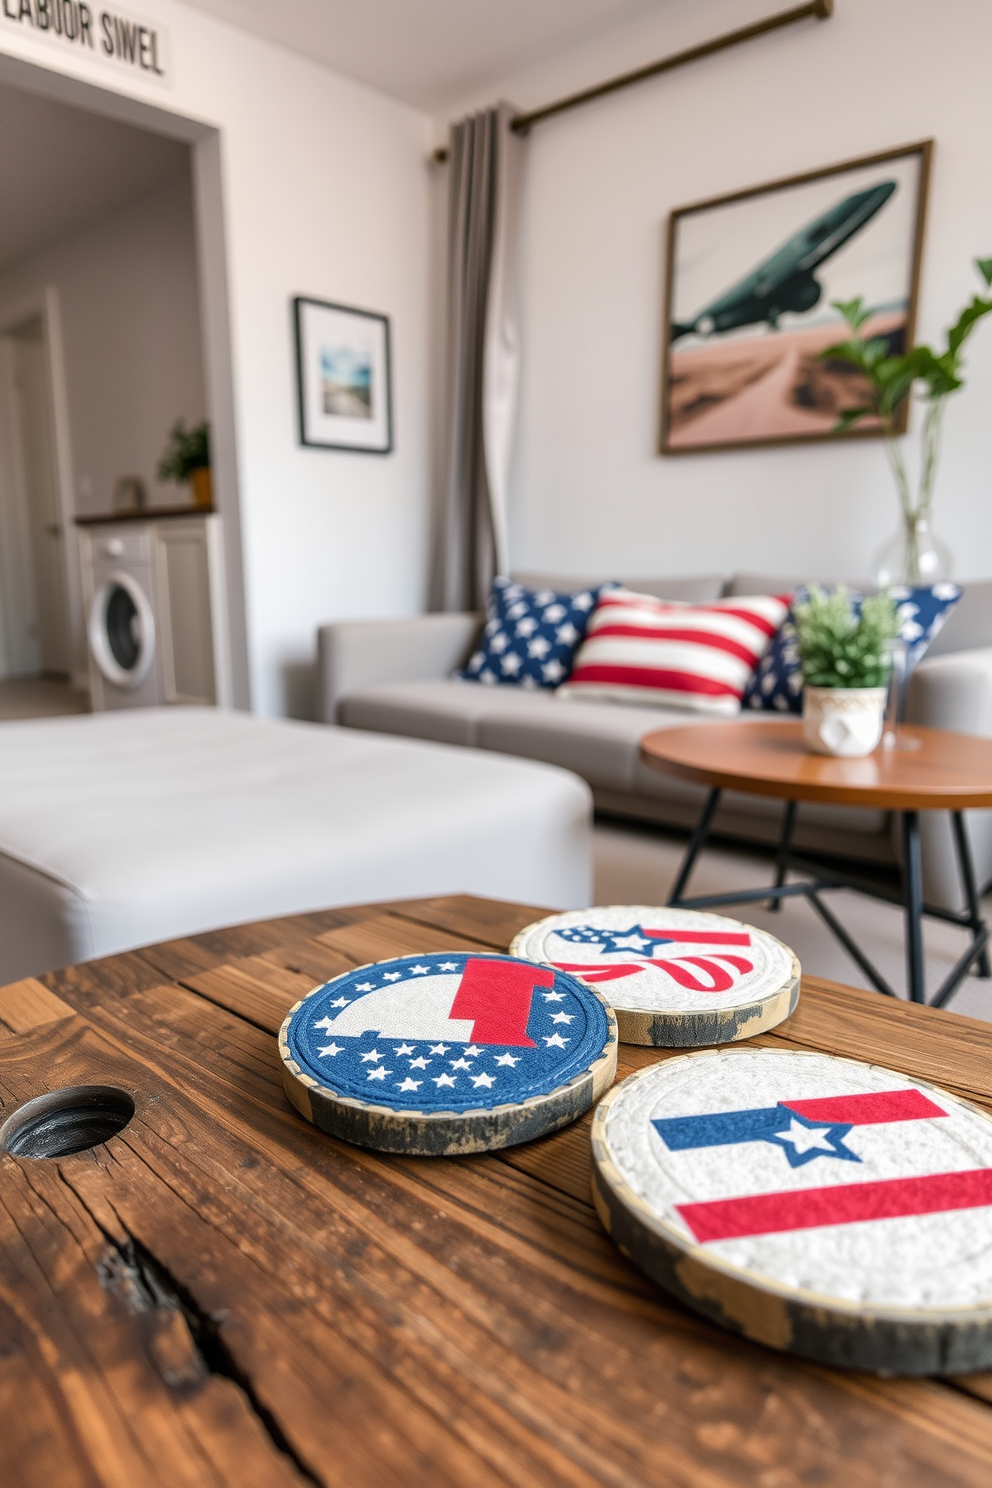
[810,1325]
[689,1030]
[446,1133]
[695,1028]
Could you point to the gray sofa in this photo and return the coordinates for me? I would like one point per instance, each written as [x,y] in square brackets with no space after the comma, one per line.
[395,677]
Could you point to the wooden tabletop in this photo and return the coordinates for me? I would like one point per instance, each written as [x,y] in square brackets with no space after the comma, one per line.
[221,1295]
[928,770]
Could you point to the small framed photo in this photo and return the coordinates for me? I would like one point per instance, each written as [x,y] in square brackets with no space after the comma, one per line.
[752,278]
[342,360]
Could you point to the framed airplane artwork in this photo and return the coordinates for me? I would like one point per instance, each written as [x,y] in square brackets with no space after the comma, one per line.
[752,280]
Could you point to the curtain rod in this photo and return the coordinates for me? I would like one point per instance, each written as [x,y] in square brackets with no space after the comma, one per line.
[822,10]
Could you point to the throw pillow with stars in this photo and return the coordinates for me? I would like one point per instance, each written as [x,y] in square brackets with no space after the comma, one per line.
[530,636]
[448,1053]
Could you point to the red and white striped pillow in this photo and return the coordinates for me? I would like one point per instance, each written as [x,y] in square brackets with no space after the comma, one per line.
[639,649]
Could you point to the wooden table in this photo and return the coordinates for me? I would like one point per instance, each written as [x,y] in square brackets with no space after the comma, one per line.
[221,1295]
[927,770]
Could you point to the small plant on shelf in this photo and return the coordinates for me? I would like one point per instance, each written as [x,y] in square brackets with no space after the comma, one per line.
[186,451]
[838,647]
[186,460]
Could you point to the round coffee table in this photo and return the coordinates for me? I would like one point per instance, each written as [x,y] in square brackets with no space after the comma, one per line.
[926,770]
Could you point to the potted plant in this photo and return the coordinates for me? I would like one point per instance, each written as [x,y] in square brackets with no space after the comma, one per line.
[914,556]
[186,460]
[845,657]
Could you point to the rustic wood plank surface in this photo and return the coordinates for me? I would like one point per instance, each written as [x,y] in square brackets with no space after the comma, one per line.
[223,1295]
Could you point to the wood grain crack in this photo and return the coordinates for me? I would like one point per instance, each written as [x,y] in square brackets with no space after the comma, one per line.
[185,1343]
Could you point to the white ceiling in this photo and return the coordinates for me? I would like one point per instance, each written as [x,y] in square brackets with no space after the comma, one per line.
[62,168]
[427,52]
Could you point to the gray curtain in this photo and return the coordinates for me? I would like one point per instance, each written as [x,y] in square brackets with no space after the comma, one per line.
[484,164]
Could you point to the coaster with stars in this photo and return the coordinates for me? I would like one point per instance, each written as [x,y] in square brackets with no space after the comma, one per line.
[829,1208]
[448,1053]
[676,978]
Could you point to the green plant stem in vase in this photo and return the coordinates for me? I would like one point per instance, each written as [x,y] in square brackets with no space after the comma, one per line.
[915,556]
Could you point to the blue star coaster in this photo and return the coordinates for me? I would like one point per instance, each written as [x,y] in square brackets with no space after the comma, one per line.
[448,1052]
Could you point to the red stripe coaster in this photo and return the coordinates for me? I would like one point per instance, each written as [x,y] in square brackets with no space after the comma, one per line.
[867,1110]
[828,1207]
[844,1203]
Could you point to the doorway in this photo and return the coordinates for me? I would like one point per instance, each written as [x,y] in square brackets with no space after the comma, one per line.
[38,607]
[37,568]
[113,328]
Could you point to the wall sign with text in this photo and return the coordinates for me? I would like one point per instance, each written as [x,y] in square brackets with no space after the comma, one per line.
[107,35]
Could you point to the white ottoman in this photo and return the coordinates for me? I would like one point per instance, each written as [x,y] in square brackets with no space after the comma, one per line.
[124,828]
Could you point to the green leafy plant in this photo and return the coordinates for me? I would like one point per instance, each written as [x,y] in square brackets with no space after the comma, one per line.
[891,380]
[186,451]
[841,648]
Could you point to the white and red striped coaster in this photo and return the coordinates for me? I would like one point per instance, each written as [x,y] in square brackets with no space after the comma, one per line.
[828,1208]
[675,978]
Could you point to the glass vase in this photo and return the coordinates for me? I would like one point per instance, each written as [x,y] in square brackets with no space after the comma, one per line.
[913,555]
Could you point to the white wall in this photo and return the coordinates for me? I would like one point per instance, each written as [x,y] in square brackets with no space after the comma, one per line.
[132,347]
[590,493]
[325,192]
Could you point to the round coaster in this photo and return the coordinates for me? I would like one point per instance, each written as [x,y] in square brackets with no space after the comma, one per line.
[447,1053]
[674,977]
[821,1206]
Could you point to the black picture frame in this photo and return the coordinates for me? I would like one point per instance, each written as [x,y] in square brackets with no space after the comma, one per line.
[343,377]
[703,410]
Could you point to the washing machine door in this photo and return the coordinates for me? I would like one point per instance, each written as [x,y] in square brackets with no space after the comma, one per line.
[122,631]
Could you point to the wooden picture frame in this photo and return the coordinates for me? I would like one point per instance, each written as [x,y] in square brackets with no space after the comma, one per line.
[750,278]
[344,397]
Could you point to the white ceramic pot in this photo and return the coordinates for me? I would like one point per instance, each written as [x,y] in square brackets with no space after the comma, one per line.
[843,720]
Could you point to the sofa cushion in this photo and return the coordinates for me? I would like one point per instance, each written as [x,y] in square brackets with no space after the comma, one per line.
[601,742]
[645,650]
[597,740]
[447,710]
[530,635]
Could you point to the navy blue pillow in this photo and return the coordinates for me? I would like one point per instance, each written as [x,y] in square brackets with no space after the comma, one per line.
[530,635]
[777,685]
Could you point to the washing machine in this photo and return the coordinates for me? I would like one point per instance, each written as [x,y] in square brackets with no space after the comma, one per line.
[151,590]
[122,633]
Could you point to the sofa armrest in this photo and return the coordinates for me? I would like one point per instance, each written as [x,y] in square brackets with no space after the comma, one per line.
[953,691]
[359,653]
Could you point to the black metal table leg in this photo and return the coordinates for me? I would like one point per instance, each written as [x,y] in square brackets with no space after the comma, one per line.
[850,945]
[822,880]
[913,888]
[970,889]
[782,857]
[696,843]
